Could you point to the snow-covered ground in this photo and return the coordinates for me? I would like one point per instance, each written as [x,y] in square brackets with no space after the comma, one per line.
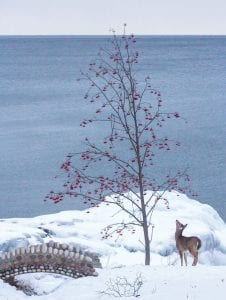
[124,256]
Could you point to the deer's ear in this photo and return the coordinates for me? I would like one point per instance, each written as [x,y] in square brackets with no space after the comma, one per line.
[177,224]
[185,225]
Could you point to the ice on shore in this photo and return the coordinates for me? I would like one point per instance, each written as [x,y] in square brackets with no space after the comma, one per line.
[80,227]
[124,256]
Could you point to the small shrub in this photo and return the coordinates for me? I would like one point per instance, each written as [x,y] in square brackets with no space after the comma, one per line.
[122,287]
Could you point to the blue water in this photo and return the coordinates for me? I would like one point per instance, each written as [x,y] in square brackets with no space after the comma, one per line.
[41,107]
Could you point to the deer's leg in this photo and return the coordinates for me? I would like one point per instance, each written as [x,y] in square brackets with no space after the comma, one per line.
[181,257]
[185,259]
[195,259]
[194,253]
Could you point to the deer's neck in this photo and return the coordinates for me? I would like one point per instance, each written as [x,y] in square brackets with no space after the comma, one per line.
[178,234]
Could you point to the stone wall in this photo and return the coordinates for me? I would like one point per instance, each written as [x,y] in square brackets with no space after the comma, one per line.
[51,257]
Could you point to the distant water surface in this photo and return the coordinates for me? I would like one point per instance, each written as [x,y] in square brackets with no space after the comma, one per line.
[41,107]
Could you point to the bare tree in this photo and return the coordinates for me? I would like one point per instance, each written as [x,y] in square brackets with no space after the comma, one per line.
[130,109]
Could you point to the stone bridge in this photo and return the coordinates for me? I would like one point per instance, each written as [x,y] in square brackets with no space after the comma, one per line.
[51,257]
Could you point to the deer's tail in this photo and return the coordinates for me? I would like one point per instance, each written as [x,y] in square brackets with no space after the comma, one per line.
[199,243]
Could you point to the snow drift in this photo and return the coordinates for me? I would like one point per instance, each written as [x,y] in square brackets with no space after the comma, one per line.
[84,228]
[124,256]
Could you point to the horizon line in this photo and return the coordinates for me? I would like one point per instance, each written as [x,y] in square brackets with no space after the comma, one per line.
[107,35]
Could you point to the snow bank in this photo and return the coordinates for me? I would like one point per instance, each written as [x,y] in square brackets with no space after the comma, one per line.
[164,279]
[81,227]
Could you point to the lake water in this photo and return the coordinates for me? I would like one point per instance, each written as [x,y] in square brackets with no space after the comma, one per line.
[41,107]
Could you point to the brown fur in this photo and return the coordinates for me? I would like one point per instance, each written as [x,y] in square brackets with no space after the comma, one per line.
[184,243]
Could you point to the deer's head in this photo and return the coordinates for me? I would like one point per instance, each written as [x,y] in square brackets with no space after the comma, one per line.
[180,227]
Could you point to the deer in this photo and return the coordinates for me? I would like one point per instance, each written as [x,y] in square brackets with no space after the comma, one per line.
[186,243]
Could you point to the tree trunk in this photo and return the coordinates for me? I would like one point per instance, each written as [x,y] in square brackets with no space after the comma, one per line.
[141,187]
[145,227]
[146,239]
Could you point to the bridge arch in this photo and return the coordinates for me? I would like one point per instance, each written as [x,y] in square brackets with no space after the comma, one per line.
[51,257]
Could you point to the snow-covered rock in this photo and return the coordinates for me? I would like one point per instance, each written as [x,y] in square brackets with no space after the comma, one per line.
[80,227]
[124,255]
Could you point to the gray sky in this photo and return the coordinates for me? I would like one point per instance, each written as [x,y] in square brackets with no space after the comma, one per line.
[98,16]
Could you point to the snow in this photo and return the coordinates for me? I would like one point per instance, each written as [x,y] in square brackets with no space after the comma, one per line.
[160,283]
[124,256]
